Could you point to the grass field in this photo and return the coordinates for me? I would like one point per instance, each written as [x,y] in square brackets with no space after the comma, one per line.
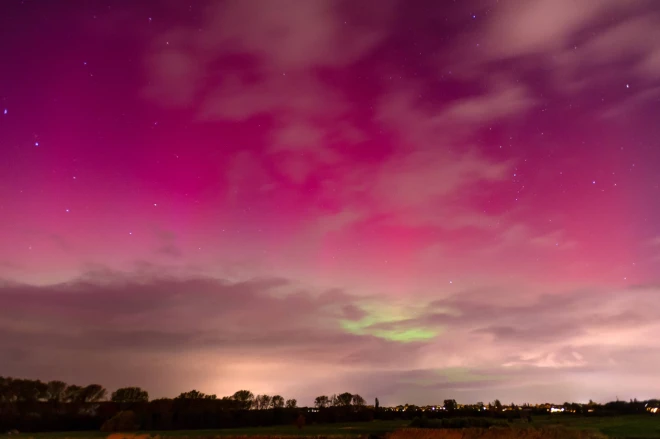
[625,427]
[618,427]
[348,429]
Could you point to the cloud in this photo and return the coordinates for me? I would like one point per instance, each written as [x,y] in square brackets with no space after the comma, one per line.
[244,64]
[476,341]
[525,28]
[637,100]
[296,34]
[503,101]
[160,317]
[572,46]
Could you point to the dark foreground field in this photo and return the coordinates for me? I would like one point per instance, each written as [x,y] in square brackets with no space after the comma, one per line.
[348,429]
[618,427]
[628,427]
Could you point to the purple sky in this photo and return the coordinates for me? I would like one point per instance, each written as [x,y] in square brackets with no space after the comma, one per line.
[411,200]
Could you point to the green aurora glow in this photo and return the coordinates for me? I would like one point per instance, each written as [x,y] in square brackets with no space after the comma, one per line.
[399,323]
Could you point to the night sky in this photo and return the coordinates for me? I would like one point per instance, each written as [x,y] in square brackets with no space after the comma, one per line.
[411,200]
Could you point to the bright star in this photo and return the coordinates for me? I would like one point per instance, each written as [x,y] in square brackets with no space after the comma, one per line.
[36,143]
[5,111]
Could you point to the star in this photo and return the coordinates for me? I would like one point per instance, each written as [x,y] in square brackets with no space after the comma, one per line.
[627,85]
[67,210]
[36,143]
[5,112]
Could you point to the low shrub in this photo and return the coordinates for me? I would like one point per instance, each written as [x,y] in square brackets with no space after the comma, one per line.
[122,421]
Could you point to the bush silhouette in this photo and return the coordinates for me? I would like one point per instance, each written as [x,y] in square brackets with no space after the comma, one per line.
[122,421]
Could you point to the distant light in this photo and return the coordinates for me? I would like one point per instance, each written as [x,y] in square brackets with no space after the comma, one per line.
[474,16]
[593,182]
[67,210]
[627,85]
[84,63]
[36,143]
[5,112]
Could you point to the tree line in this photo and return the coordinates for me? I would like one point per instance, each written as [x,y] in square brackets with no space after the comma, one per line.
[26,390]
[32,406]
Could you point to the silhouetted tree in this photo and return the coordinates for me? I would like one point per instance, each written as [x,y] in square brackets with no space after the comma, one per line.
[192,394]
[129,394]
[5,389]
[55,391]
[277,402]
[344,399]
[291,403]
[92,393]
[72,393]
[262,402]
[357,400]
[321,402]
[244,398]
[450,405]
[27,390]
[377,404]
